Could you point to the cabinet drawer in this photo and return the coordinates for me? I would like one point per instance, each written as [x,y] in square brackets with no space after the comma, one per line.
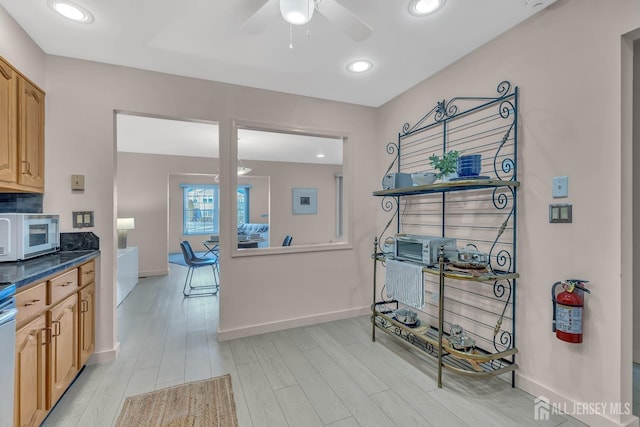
[63,285]
[87,273]
[31,302]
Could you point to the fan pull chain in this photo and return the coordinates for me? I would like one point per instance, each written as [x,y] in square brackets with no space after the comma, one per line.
[290,36]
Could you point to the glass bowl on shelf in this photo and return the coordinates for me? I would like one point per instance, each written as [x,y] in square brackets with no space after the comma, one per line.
[424,178]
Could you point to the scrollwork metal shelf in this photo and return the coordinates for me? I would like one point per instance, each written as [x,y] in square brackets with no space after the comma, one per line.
[478,364]
[447,187]
[477,210]
[491,276]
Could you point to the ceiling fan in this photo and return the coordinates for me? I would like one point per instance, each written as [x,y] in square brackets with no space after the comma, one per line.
[299,12]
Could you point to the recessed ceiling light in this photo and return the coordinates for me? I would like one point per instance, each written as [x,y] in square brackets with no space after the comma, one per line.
[424,7]
[71,11]
[360,66]
[319,156]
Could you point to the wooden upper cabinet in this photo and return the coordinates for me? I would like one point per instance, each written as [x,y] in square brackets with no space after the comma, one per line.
[21,132]
[8,123]
[31,135]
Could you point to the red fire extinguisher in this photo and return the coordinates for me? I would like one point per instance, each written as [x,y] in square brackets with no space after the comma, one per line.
[568,308]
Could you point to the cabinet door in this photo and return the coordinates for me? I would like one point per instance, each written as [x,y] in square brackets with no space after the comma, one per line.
[86,323]
[30,135]
[8,121]
[30,380]
[63,350]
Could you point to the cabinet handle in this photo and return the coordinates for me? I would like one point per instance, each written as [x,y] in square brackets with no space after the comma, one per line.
[67,284]
[84,306]
[47,334]
[55,323]
[28,171]
[88,272]
[33,302]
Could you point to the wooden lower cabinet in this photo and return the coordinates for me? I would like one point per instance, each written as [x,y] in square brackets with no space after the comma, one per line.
[86,323]
[52,344]
[63,349]
[30,404]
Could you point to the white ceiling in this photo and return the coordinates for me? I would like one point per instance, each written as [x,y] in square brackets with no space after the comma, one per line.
[141,134]
[205,39]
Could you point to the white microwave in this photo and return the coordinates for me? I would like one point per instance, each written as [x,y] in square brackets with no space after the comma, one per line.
[28,235]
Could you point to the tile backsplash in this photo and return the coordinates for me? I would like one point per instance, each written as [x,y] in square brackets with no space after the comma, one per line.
[79,241]
[20,202]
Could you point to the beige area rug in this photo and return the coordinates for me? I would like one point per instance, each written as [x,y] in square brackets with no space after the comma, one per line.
[198,404]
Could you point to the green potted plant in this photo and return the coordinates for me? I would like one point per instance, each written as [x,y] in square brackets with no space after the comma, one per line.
[445,165]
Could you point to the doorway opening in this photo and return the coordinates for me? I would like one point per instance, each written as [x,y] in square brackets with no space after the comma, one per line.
[150,150]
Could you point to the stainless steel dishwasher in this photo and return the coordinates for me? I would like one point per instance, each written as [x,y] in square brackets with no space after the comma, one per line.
[8,313]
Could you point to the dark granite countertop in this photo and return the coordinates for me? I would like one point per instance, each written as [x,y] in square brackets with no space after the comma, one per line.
[25,272]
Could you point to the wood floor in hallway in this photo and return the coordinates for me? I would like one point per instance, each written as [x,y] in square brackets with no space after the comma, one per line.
[330,374]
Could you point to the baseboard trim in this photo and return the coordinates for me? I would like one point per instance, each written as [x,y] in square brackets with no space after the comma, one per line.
[262,328]
[105,356]
[151,273]
[538,390]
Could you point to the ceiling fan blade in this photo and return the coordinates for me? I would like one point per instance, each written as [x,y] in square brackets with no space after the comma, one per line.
[341,17]
[262,16]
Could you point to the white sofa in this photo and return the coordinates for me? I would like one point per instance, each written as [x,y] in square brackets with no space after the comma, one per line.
[256,228]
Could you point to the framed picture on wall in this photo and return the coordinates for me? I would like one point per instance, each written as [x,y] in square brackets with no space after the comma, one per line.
[305,201]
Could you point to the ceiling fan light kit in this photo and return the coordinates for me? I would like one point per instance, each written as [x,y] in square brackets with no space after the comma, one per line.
[242,169]
[425,7]
[297,12]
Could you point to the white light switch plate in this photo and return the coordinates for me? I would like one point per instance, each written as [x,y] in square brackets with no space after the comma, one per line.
[560,186]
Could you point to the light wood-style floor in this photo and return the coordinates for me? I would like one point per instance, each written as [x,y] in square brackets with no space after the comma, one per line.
[323,375]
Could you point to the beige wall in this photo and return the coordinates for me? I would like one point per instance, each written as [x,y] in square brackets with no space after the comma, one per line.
[566,61]
[149,191]
[20,50]
[80,139]
[305,229]
[258,196]
[143,194]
